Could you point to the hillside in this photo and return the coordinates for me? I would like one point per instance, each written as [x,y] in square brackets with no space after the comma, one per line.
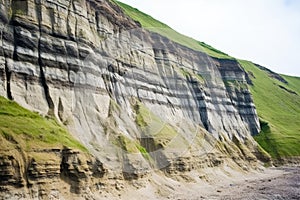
[277,104]
[26,130]
[156,26]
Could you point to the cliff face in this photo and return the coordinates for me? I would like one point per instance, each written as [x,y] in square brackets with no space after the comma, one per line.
[48,174]
[135,99]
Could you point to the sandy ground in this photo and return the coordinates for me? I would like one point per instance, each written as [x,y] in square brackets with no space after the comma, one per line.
[283,183]
[272,183]
[280,183]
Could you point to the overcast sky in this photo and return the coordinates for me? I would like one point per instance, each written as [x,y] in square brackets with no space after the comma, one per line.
[266,32]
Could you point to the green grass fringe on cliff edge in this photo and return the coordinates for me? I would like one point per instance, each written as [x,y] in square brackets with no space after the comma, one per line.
[28,130]
[278,106]
[156,26]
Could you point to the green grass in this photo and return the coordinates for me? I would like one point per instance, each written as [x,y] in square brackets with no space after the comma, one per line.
[293,83]
[132,146]
[29,130]
[279,111]
[236,84]
[189,74]
[127,144]
[140,112]
[152,125]
[156,26]
[143,151]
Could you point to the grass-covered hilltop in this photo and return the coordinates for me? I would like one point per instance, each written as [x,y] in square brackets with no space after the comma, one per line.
[278,105]
[277,97]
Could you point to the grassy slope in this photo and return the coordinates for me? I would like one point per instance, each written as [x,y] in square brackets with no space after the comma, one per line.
[29,130]
[158,27]
[280,111]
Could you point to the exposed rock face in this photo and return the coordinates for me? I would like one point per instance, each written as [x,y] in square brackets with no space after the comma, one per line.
[46,174]
[137,100]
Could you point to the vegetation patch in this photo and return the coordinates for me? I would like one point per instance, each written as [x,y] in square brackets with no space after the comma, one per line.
[163,134]
[144,117]
[236,84]
[140,112]
[143,151]
[185,72]
[29,130]
[127,144]
[200,78]
[132,146]
[279,111]
[191,76]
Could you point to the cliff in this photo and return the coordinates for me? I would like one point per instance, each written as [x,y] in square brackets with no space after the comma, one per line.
[135,99]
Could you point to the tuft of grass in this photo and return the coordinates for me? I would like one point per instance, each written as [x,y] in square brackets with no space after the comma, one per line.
[150,122]
[156,26]
[153,127]
[140,113]
[127,144]
[29,130]
[279,111]
[188,74]
[184,72]
[200,78]
[143,151]
[19,12]
[235,84]
[132,146]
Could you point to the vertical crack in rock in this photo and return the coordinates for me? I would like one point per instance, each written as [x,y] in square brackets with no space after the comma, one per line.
[70,8]
[76,21]
[202,108]
[60,110]
[42,73]
[8,77]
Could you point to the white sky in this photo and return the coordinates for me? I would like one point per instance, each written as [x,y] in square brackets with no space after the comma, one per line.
[266,32]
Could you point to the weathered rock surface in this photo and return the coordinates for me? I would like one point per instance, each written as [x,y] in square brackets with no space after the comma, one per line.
[47,173]
[135,99]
